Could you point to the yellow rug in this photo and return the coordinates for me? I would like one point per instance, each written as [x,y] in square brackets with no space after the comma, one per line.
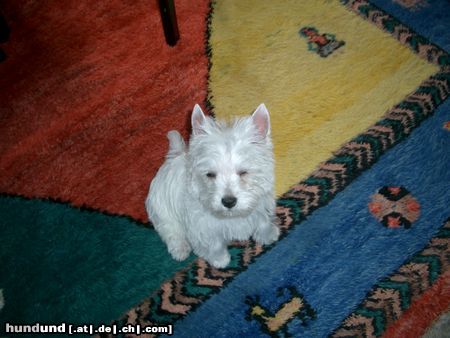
[324,73]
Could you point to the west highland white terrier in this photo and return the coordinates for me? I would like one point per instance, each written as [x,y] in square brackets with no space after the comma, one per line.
[218,189]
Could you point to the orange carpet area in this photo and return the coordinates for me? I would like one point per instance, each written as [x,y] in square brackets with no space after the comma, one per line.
[88,91]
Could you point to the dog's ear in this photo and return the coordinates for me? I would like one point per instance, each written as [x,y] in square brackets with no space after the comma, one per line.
[197,120]
[261,119]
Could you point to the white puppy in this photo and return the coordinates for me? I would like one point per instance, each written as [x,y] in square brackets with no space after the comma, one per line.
[217,190]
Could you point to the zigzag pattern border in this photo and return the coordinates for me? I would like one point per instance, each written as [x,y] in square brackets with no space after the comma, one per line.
[420,45]
[393,295]
[193,285]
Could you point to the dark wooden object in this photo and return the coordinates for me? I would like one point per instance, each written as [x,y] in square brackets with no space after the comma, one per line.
[4,36]
[169,20]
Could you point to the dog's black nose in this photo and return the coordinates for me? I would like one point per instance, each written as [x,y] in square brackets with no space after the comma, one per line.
[229,201]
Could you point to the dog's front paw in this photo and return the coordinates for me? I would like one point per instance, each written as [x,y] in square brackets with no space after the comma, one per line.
[179,251]
[221,261]
[267,236]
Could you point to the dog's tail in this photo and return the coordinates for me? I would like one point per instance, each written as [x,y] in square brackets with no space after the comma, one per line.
[177,146]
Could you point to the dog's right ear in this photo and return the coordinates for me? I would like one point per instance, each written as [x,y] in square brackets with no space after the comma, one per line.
[197,120]
[261,119]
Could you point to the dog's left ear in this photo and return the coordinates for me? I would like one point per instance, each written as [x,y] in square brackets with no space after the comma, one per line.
[197,120]
[261,119]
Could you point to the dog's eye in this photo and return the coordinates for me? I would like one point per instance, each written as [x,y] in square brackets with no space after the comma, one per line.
[211,175]
[242,173]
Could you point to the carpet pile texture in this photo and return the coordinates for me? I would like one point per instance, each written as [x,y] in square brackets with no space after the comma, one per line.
[358,94]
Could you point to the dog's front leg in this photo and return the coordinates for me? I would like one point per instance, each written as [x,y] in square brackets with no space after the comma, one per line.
[266,232]
[217,255]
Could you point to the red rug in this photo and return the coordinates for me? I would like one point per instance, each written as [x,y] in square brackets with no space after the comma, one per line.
[88,92]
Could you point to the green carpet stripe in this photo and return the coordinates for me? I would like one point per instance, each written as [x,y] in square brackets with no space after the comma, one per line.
[377,316]
[396,126]
[444,233]
[413,107]
[324,184]
[433,91]
[294,207]
[390,24]
[100,265]
[434,265]
[376,145]
[195,290]
[348,160]
[402,287]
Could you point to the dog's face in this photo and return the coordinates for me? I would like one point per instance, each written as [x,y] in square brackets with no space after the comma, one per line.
[231,167]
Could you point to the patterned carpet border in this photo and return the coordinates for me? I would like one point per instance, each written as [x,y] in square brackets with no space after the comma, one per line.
[193,285]
[420,45]
[393,295]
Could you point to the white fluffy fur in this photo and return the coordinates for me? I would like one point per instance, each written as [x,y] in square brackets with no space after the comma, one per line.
[186,198]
